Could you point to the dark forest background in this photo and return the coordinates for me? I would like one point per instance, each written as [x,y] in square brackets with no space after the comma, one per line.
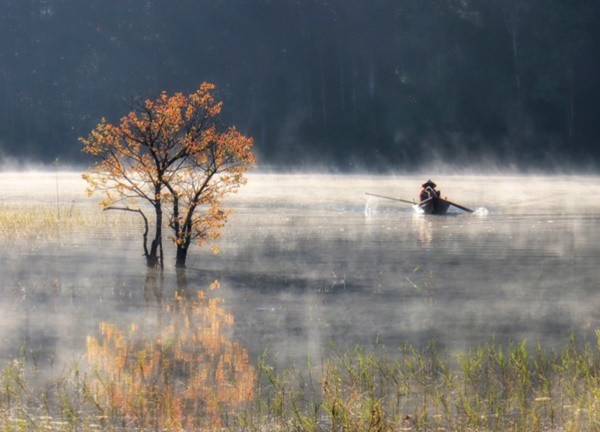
[348,83]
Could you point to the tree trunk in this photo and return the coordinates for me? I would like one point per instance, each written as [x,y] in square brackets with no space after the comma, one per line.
[323,103]
[371,76]
[181,256]
[570,106]
[515,60]
[182,247]
[342,84]
[310,103]
[354,73]
[153,259]
[511,21]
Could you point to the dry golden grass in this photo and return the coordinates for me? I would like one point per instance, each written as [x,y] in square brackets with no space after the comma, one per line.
[27,222]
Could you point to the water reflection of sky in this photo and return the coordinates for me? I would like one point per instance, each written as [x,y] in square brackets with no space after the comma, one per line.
[302,264]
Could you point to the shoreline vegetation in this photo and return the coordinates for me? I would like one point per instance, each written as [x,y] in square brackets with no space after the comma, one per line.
[513,387]
[26,222]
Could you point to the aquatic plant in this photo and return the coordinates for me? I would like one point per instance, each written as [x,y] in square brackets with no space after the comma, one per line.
[137,384]
[29,222]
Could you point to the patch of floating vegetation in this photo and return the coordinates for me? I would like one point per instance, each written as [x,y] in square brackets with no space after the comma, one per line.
[491,387]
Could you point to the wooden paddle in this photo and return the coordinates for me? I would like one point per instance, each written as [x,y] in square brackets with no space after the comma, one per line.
[459,206]
[421,203]
[401,200]
[390,198]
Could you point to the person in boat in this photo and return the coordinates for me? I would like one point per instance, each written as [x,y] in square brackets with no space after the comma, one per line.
[429,191]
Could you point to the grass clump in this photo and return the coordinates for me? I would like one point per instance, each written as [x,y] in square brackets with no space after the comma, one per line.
[492,387]
[27,222]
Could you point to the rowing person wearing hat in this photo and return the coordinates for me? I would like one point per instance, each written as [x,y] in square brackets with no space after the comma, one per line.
[429,191]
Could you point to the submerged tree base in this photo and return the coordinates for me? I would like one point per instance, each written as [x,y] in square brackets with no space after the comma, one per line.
[492,387]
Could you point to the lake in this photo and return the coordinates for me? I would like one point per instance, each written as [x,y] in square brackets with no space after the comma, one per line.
[308,260]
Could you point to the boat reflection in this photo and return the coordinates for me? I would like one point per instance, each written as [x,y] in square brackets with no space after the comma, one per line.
[182,371]
[424,229]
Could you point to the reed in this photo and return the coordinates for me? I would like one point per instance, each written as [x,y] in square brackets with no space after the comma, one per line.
[514,387]
[27,222]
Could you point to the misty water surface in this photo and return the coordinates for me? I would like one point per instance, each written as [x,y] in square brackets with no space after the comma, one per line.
[309,259]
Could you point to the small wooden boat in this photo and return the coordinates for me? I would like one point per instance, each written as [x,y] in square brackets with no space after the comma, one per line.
[435,206]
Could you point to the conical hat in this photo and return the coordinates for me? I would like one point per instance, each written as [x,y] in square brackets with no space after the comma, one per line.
[429,183]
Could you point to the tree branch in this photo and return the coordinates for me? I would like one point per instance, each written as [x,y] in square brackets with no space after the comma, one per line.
[128,209]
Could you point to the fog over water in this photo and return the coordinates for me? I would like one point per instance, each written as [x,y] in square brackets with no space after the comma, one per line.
[310,259]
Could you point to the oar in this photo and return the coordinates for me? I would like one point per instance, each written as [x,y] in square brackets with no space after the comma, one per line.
[459,206]
[390,198]
[422,203]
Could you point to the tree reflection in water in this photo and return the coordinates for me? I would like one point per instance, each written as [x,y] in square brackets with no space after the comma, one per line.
[185,374]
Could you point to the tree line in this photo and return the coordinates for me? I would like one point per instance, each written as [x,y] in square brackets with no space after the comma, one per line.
[344,82]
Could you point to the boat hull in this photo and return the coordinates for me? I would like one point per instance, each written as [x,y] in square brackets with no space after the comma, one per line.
[435,206]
